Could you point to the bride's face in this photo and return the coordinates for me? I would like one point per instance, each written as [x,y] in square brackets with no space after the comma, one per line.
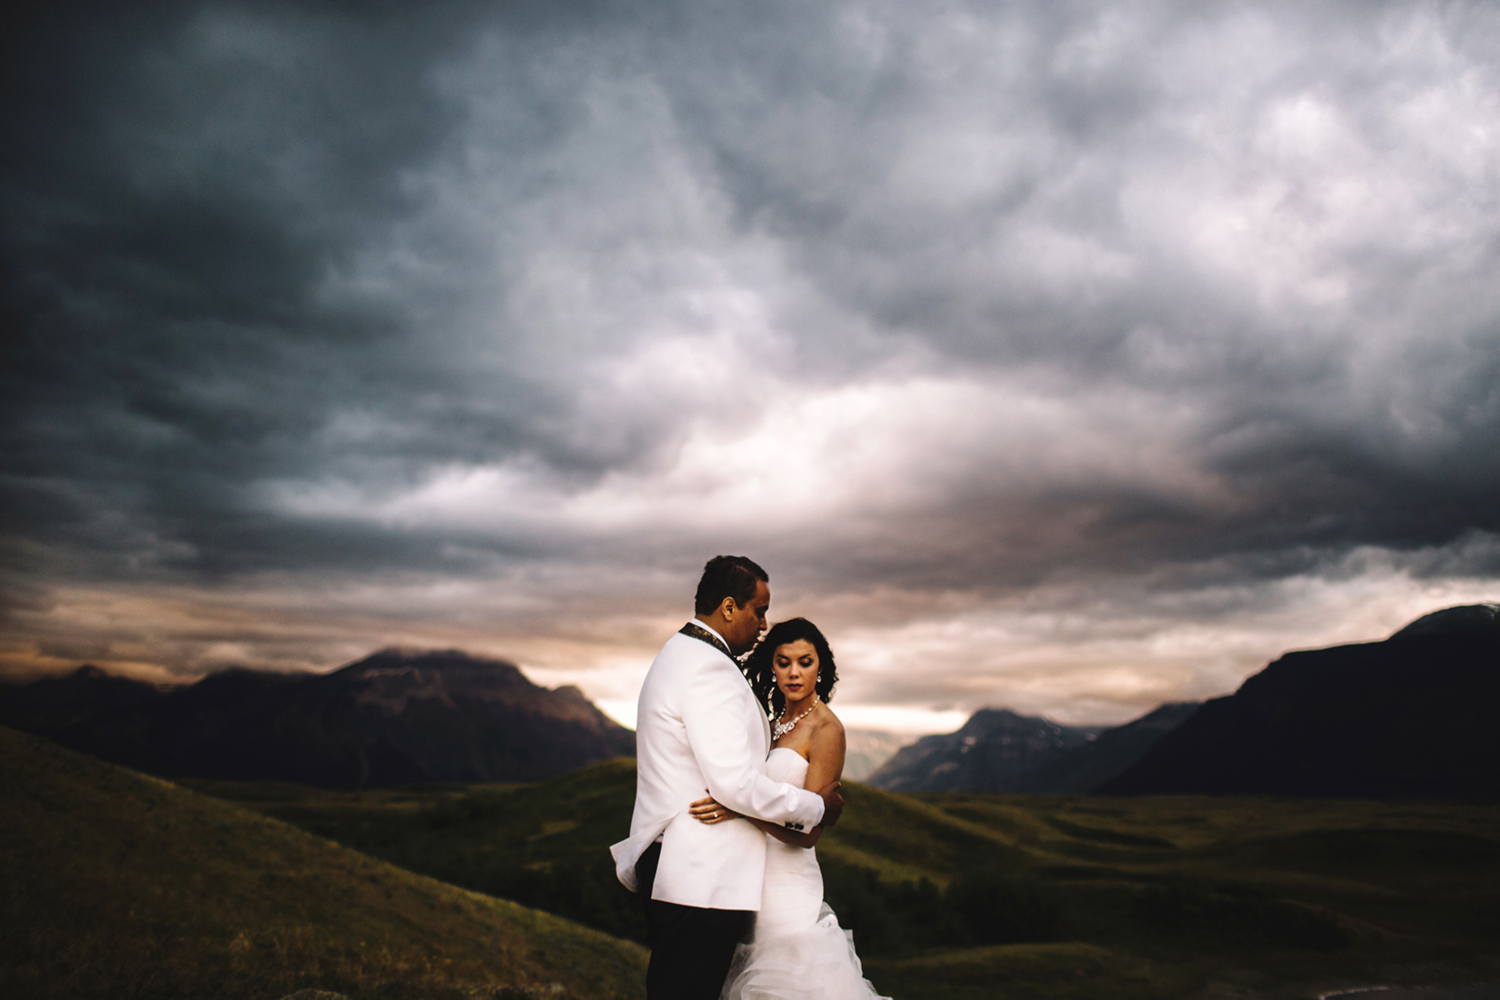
[796,667]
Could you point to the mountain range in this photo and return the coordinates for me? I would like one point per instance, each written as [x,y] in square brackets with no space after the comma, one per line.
[866,750]
[1084,768]
[1408,716]
[395,717]
[1412,716]
[998,750]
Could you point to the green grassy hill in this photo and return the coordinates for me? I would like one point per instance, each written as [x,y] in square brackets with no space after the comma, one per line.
[959,896]
[118,885]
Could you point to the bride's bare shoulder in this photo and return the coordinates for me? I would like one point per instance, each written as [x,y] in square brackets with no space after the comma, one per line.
[829,728]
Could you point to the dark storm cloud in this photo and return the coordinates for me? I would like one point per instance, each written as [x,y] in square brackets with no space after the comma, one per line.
[1313,456]
[182,188]
[1161,310]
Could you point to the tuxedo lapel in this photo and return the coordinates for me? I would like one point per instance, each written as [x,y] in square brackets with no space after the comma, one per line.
[703,634]
[696,631]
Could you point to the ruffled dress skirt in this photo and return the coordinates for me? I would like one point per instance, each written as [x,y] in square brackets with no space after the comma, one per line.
[797,950]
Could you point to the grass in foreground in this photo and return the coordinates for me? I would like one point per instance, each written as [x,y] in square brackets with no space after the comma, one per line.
[119,885]
[958,896]
[544,845]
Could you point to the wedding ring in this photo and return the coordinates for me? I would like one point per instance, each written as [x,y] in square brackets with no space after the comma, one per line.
[716,815]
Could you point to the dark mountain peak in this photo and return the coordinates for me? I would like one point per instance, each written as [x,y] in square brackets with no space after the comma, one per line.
[988,723]
[998,718]
[393,680]
[1083,767]
[87,681]
[571,692]
[1412,716]
[240,681]
[397,716]
[1169,715]
[999,750]
[50,703]
[448,668]
[92,676]
[992,752]
[447,661]
[1465,619]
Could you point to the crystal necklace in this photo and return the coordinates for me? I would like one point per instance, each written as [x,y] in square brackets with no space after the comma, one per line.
[780,729]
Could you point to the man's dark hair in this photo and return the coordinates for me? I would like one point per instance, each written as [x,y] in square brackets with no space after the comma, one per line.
[727,576]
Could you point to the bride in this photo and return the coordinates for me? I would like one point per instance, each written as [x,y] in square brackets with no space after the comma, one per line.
[797,948]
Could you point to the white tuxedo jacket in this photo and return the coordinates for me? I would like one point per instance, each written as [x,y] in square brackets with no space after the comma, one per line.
[698,728]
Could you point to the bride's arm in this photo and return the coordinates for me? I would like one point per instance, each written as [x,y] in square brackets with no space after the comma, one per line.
[825,752]
[825,764]
[710,811]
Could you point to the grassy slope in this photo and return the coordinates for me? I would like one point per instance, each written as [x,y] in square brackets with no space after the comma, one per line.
[120,885]
[1129,897]
[1245,891]
[545,845]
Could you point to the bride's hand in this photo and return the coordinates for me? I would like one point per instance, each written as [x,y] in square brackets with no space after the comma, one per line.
[709,811]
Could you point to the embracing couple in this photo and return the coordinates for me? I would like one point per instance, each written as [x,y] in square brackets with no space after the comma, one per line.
[728,806]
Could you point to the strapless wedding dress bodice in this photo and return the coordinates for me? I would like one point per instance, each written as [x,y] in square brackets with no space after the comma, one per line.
[797,950]
[793,891]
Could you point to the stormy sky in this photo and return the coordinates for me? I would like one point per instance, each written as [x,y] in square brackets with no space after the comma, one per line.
[1069,357]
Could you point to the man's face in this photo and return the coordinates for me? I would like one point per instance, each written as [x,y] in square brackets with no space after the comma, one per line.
[748,622]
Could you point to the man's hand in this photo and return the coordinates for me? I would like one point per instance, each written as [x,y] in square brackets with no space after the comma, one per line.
[833,803]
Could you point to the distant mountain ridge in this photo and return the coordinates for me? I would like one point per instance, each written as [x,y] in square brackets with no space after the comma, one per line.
[1408,716]
[55,703]
[1083,769]
[395,717]
[867,749]
[1466,619]
[992,752]
[998,750]
[1412,716]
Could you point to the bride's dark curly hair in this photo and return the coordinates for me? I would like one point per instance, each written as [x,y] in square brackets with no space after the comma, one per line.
[757,664]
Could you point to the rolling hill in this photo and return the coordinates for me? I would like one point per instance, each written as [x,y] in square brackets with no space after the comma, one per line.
[119,885]
[1011,896]
[394,717]
[1412,716]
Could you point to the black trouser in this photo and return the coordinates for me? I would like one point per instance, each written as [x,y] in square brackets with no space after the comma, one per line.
[691,946]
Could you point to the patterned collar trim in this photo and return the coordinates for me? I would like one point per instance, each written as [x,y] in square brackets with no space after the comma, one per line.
[699,632]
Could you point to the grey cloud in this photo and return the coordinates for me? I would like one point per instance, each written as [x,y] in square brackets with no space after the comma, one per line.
[254,253]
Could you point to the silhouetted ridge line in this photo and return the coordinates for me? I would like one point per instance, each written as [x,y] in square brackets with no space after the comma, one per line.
[1412,716]
[1466,619]
[395,717]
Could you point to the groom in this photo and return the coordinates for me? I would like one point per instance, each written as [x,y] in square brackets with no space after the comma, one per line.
[699,728]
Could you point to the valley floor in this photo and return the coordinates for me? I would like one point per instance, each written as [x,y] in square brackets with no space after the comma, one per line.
[968,896]
[125,886]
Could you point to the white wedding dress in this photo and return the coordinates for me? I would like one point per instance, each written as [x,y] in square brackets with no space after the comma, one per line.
[797,951]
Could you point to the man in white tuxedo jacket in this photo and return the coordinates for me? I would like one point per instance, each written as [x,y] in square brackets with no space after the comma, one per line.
[700,731]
